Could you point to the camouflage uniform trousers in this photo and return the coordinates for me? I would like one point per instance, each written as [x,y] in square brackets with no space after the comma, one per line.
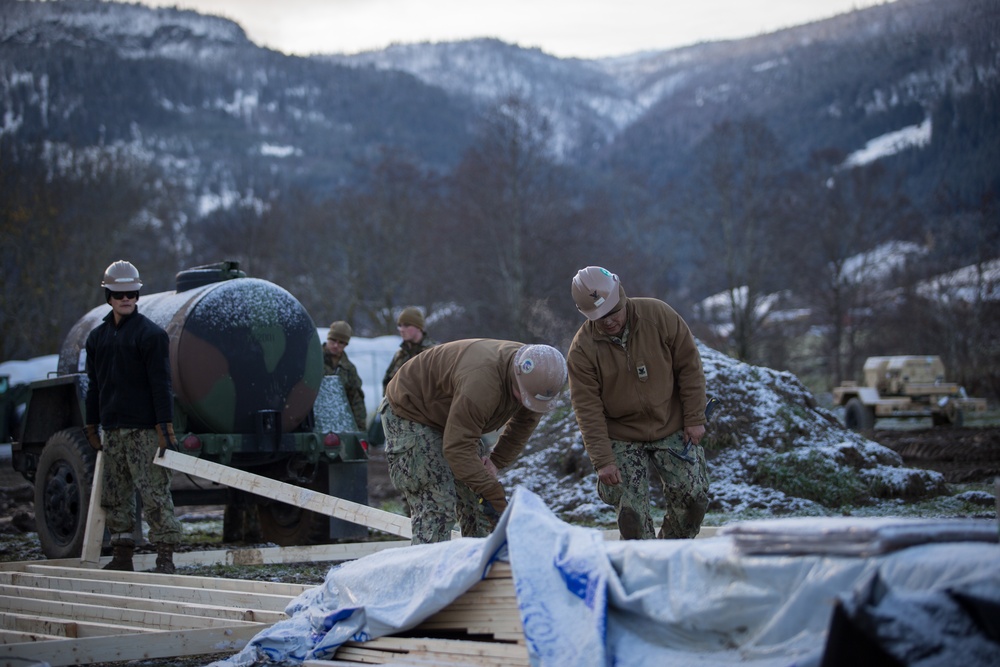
[419,470]
[685,487]
[128,466]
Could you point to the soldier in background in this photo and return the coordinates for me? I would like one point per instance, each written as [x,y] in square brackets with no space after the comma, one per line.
[638,390]
[335,362]
[129,395]
[415,340]
[437,408]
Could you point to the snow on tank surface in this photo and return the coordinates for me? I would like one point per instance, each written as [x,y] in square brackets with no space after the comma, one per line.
[255,303]
[260,304]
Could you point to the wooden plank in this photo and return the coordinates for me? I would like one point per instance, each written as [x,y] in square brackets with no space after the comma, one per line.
[39,586]
[68,628]
[223,609]
[37,625]
[190,582]
[93,534]
[154,645]
[334,553]
[424,651]
[126,617]
[387,522]
[459,647]
[14,637]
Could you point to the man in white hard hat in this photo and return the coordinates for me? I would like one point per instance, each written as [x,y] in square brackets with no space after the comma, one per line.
[438,407]
[638,390]
[129,395]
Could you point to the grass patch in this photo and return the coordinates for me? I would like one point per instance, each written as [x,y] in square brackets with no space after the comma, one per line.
[812,476]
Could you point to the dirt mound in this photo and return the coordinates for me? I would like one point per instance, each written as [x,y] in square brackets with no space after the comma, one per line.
[962,455]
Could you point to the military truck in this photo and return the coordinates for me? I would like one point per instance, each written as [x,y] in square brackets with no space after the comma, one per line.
[249,392]
[907,386]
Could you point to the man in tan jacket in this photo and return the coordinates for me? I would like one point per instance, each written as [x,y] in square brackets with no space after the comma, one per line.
[638,390]
[438,407]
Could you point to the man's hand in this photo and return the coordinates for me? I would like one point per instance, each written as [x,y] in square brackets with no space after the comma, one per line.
[165,433]
[609,475]
[491,467]
[694,434]
[493,503]
[90,430]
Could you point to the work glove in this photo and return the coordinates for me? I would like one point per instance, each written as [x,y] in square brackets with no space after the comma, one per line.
[493,503]
[165,432]
[90,430]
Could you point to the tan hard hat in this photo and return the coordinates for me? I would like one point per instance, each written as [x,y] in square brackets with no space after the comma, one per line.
[341,331]
[596,291]
[541,374]
[121,276]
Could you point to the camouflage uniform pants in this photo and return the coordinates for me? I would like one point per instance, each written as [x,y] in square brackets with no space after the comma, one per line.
[128,466]
[685,487]
[419,470]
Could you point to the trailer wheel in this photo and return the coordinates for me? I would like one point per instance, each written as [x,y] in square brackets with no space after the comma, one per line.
[287,525]
[858,416]
[62,493]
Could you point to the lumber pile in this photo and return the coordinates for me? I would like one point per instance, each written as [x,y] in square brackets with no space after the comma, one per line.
[66,615]
[71,613]
[481,627]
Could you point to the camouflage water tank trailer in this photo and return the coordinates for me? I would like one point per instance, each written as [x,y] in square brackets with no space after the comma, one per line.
[908,386]
[249,392]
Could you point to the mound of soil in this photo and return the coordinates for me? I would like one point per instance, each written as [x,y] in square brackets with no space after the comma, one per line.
[962,455]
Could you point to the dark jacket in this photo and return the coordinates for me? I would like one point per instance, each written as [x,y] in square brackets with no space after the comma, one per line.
[406,351]
[128,373]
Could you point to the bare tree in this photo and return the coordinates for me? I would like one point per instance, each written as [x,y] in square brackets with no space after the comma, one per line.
[60,226]
[387,224]
[507,208]
[741,167]
[850,213]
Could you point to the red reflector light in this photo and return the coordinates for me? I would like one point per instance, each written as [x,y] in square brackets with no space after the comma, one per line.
[364,445]
[191,443]
[331,440]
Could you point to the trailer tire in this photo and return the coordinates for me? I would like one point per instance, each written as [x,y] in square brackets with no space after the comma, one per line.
[62,493]
[858,416]
[287,525]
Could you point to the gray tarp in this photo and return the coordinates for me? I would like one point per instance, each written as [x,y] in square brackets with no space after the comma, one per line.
[587,601]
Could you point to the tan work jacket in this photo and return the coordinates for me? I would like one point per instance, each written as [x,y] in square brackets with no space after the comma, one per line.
[644,391]
[464,388]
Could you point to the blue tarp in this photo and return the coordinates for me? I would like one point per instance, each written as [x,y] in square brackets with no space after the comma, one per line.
[587,601]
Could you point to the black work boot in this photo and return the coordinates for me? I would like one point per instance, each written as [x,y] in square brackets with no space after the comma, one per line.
[165,559]
[121,558]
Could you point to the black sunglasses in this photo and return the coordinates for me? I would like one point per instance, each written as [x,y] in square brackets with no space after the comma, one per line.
[118,296]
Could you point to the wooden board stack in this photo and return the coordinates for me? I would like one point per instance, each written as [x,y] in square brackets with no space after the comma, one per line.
[482,627]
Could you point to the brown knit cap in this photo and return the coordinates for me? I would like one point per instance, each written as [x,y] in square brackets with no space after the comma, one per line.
[341,331]
[411,316]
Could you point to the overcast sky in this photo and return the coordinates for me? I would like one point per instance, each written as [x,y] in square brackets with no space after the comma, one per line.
[565,28]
